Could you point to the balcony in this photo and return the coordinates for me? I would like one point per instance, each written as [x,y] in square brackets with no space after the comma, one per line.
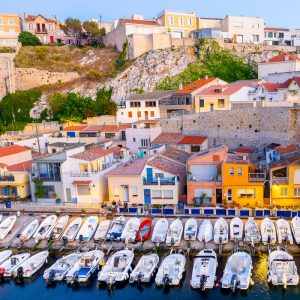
[9,178]
[41,31]
[256,177]
[160,181]
[48,177]
[280,180]
[193,178]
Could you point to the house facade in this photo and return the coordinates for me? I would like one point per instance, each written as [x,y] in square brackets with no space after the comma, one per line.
[10,27]
[278,36]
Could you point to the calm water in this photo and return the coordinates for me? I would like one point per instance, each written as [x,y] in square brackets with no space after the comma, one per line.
[36,289]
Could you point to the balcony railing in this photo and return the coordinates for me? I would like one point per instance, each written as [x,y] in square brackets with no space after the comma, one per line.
[41,31]
[280,180]
[7,178]
[160,181]
[194,178]
[256,177]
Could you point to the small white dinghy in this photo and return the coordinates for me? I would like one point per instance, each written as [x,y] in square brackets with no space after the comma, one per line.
[160,230]
[72,230]
[116,229]
[190,229]
[252,235]
[282,269]
[102,230]
[117,268]
[236,229]
[85,267]
[46,225]
[284,231]
[30,266]
[130,230]
[6,226]
[221,232]
[268,232]
[4,255]
[204,270]
[13,263]
[58,228]
[237,273]
[145,269]
[29,231]
[171,270]
[60,268]
[88,229]
[206,231]
[295,224]
[174,233]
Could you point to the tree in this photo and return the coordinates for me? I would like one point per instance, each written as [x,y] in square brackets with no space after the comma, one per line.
[104,103]
[93,33]
[39,189]
[57,102]
[72,27]
[121,61]
[28,39]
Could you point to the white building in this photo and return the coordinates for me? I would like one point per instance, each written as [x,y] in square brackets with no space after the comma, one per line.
[278,36]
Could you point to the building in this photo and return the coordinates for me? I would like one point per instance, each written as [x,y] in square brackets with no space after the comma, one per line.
[106,25]
[278,36]
[210,23]
[10,27]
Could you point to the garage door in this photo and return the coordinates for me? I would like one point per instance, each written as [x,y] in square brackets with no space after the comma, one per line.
[177,34]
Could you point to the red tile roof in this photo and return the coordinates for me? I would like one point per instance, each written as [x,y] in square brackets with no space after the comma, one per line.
[140,22]
[273,87]
[286,149]
[168,138]
[194,86]
[3,165]
[30,18]
[283,56]
[192,140]
[275,29]
[175,154]
[134,168]
[95,153]
[24,166]
[105,128]
[14,149]
[75,128]
[81,182]
[225,90]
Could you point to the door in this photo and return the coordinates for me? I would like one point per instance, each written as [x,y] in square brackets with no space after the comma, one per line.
[149,174]
[141,153]
[211,107]
[219,196]
[146,115]
[68,195]
[51,39]
[147,196]
[125,194]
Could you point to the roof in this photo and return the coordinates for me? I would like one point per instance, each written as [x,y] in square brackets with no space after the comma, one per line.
[150,96]
[274,87]
[140,22]
[192,140]
[14,149]
[237,158]
[246,150]
[23,166]
[286,159]
[275,29]
[208,151]
[225,90]
[195,85]
[283,56]
[286,149]
[134,168]
[95,153]
[30,18]
[168,138]
[81,182]
[75,128]
[176,155]
[250,82]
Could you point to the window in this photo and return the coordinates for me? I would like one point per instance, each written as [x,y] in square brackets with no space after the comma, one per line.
[221,103]
[50,27]
[49,191]
[231,172]
[255,38]
[171,20]
[135,104]
[134,191]
[1,21]
[283,192]
[240,171]
[281,35]
[180,21]
[195,149]
[139,114]
[30,26]
[246,193]
[201,102]
[156,194]
[144,142]
[11,22]
[238,24]
[116,191]
[159,175]
[109,135]
[296,192]
[229,195]
[270,34]
[190,22]
[152,114]
[150,103]
[168,194]
[134,140]
[1,31]
[130,114]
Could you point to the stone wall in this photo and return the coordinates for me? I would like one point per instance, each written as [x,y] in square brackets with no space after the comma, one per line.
[248,126]
[7,78]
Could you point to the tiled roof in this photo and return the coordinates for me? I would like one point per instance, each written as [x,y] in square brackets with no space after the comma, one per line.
[284,57]
[286,149]
[237,158]
[192,140]
[24,166]
[30,18]
[194,86]
[95,153]
[75,128]
[168,138]
[274,87]
[14,149]
[275,29]
[286,159]
[176,155]
[3,165]
[224,90]
[140,22]
[134,168]
[81,182]
[105,128]
[151,95]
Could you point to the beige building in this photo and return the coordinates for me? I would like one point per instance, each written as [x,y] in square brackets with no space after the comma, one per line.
[209,23]
[10,28]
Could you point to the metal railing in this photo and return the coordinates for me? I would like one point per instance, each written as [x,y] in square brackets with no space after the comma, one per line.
[159,181]
[9,178]
[280,180]
[256,176]
[193,178]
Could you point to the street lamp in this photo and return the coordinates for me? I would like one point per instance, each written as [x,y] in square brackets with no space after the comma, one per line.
[271,183]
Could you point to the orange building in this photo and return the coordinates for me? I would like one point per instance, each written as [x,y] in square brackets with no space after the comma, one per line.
[10,28]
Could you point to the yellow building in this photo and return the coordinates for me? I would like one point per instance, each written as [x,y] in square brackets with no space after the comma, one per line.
[10,28]
[179,24]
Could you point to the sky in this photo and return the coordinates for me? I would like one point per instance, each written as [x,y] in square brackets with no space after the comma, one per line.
[273,11]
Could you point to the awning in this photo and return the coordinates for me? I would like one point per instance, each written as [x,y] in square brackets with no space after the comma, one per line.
[81,182]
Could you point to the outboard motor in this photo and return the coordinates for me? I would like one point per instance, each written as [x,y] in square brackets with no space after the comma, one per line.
[139,278]
[172,242]
[65,240]
[20,273]
[51,277]
[269,239]
[80,238]
[75,278]
[234,282]
[203,280]
[166,280]
[51,236]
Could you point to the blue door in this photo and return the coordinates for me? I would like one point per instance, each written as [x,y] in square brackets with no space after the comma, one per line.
[71,134]
[141,153]
[149,174]
[147,196]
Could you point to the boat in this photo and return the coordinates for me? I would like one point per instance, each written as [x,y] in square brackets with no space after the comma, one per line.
[221,231]
[238,271]
[46,225]
[282,269]
[88,229]
[117,268]
[236,229]
[4,255]
[6,226]
[204,270]
[60,268]
[160,230]
[206,231]
[171,270]
[295,224]
[144,231]
[284,231]
[190,230]
[174,233]
[13,263]
[58,228]
[252,235]
[130,230]
[145,269]
[31,265]
[268,232]
[72,230]
[102,229]
[85,267]
[1,217]
[115,231]
[29,230]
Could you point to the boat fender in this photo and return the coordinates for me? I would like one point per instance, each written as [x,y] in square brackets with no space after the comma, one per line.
[2,271]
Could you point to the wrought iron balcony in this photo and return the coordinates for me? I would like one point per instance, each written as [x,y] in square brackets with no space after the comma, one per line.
[7,178]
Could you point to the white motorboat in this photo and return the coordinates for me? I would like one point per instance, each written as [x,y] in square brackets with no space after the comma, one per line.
[268,232]
[238,271]
[174,233]
[236,229]
[282,269]
[46,225]
[116,229]
[102,230]
[284,231]
[88,229]
[204,270]
[190,229]
[31,265]
[60,268]
[130,230]
[29,230]
[72,230]
[295,224]
[85,267]
[4,255]
[252,235]
[206,231]
[58,228]
[6,226]
[221,231]
[145,269]
[171,270]
[117,268]
[13,263]
[160,230]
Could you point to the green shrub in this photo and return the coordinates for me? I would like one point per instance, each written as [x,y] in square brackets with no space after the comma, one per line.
[28,39]
[94,75]
[120,63]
